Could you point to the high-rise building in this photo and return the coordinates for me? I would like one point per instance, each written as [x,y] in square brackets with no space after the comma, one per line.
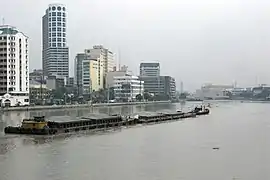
[105,59]
[55,52]
[86,74]
[14,67]
[150,69]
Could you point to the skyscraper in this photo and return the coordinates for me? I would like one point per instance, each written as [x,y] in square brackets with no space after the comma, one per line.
[14,67]
[55,52]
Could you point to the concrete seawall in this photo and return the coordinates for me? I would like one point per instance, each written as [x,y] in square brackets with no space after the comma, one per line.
[33,108]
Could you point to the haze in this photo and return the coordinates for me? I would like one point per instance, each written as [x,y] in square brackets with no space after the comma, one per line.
[196,41]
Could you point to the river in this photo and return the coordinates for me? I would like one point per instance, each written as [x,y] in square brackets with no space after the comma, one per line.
[180,150]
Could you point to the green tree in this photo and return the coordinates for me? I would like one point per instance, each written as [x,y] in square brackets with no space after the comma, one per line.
[139,97]
[147,96]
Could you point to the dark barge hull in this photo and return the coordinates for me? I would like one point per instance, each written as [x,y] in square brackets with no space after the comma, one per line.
[99,124]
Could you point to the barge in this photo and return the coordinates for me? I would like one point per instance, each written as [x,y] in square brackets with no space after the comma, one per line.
[41,126]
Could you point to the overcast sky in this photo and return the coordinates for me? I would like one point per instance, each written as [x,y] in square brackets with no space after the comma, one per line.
[196,41]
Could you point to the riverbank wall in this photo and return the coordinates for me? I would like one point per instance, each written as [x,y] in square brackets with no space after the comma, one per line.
[74,106]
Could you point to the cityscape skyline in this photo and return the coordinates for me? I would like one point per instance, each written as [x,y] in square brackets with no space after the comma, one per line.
[217,47]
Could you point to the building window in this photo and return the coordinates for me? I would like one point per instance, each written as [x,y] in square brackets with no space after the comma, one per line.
[64,14]
[64,34]
[53,34]
[59,8]
[64,24]
[64,44]
[58,13]
[54,24]
[53,18]
[59,39]
[64,19]
[58,29]
[64,39]
[50,24]
[53,13]
[59,18]
[64,8]
[53,39]
[64,29]
[59,34]
[53,8]
[53,44]
[59,44]
[59,23]
[54,29]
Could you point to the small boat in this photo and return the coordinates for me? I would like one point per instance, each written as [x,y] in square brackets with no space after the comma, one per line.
[201,111]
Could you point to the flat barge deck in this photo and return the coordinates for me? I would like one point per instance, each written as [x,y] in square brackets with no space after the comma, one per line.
[41,126]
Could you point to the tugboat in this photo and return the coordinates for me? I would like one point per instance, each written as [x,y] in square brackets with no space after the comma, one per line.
[37,125]
[201,111]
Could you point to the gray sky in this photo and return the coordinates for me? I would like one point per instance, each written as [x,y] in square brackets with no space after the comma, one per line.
[196,41]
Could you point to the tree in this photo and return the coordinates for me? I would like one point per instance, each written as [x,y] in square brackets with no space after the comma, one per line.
[147,96]
[139,97]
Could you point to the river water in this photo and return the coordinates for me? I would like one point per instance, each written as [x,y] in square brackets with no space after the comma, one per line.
[180,150]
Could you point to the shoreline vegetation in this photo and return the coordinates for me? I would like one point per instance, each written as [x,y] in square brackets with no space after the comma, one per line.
[33,108]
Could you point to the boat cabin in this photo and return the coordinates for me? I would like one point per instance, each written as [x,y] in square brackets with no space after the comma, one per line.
[36,123]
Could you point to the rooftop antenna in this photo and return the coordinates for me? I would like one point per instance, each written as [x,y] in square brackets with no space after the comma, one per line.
[119,60]
[182,87]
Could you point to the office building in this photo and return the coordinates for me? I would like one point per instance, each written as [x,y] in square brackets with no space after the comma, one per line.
[105,59]
[160,85]
[213,91]
[86,74]
[123,71]
[55,51]
[127,87]
[14,67]
[149,69]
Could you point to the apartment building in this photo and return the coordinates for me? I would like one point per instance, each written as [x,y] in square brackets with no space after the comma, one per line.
[14,67]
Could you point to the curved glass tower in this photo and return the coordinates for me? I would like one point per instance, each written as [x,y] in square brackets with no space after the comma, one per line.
[55,52]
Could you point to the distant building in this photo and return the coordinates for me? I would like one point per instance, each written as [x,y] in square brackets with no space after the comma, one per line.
[55,52]
[86,74]
[210,91]
[70,81]
[149,69]
[37,75]
[55,82]
[14,67]
[78,71]
[105,60]
[110,75]
[164,85]
[127,87]
[38,92]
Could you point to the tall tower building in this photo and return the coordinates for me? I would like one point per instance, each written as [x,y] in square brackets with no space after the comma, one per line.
[14,67]
[55,52]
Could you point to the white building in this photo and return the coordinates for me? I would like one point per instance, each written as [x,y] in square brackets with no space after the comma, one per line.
[110,75]
[14,67]
[55,51]
[126,88]
[210,91]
